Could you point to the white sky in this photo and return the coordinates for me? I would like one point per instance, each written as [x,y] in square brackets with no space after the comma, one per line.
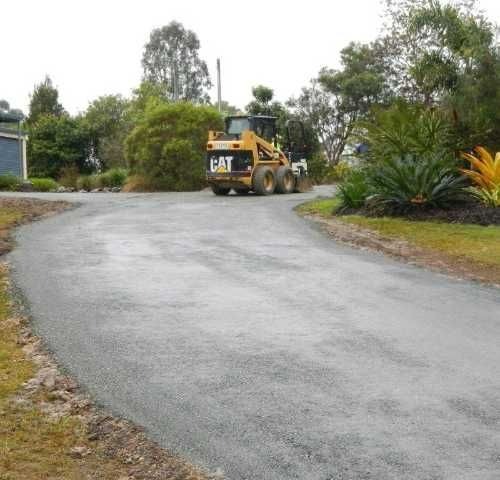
[91,48]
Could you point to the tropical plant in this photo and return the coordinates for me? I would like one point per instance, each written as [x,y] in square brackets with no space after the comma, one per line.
[404,183]
[404,130]
[353,190]
[490,198]
[485,173]
[337,173]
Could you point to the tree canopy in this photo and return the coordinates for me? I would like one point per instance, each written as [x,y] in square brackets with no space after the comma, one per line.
[171,60]
[44,101]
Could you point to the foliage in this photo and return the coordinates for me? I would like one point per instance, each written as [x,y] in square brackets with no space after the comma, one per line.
[8,182]
[487,168]
[319,109]
[14,112]
[337,173]
[353,191]
[227,109]
[44,101]
[405,129]
[490,197]
[87,182]
[262,104]
[116,177]
[171,60]
[68,176]
[404,183]
[446,55]
[44,184]
[338,98]
[108,120]
[56,143]
[317,168]
[168,145]
[485,174]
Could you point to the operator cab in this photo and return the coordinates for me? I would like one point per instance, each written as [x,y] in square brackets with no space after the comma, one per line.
[263,126]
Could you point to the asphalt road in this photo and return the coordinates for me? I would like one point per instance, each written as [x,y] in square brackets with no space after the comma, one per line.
[245,339]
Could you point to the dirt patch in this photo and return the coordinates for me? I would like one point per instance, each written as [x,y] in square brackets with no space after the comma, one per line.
[402,250]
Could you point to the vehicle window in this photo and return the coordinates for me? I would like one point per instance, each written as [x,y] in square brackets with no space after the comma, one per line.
[237,125]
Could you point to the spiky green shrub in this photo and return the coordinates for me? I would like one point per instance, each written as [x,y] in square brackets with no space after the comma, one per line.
[353,190]
[406,130]
[44,184]
[401,184]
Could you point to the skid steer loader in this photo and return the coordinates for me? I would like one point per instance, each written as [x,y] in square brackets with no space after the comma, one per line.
[247,157]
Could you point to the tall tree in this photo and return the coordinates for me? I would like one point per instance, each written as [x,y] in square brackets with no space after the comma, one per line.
[109,122]
[57,143]
[171,59]
[44,101]
[337,99]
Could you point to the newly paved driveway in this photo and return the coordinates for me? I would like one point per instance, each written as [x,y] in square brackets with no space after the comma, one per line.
[245,339]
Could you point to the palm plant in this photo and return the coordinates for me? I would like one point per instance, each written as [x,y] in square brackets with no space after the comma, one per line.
[403,183]
[485,173]
[353,190]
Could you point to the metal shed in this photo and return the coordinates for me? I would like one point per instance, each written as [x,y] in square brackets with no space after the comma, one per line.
[12,147]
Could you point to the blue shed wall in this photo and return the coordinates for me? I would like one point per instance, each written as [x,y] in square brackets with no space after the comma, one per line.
[10,159]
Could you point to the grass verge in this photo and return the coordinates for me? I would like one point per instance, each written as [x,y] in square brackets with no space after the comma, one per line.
[473,246]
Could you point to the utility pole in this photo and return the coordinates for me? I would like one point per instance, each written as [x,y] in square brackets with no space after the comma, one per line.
[219,98]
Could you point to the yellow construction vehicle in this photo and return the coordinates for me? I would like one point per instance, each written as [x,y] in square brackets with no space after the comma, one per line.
[247,157]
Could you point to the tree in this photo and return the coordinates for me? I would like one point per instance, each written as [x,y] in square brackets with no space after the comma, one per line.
[168,145]
[337,99]
[319,109]
[44,101]
[262,103]
[56,143]
[446,56]
[12,112]
[227,109]
[171,59]
[108,120]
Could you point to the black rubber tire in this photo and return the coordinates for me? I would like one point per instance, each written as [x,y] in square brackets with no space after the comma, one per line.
[242,191]
[285,180]
[220,190]
[264,181]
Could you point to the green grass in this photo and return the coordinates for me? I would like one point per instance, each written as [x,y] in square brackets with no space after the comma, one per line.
[324,207]
[44,184]
[473,242]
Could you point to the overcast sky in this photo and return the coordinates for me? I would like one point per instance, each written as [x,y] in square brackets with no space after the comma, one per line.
[91,48]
